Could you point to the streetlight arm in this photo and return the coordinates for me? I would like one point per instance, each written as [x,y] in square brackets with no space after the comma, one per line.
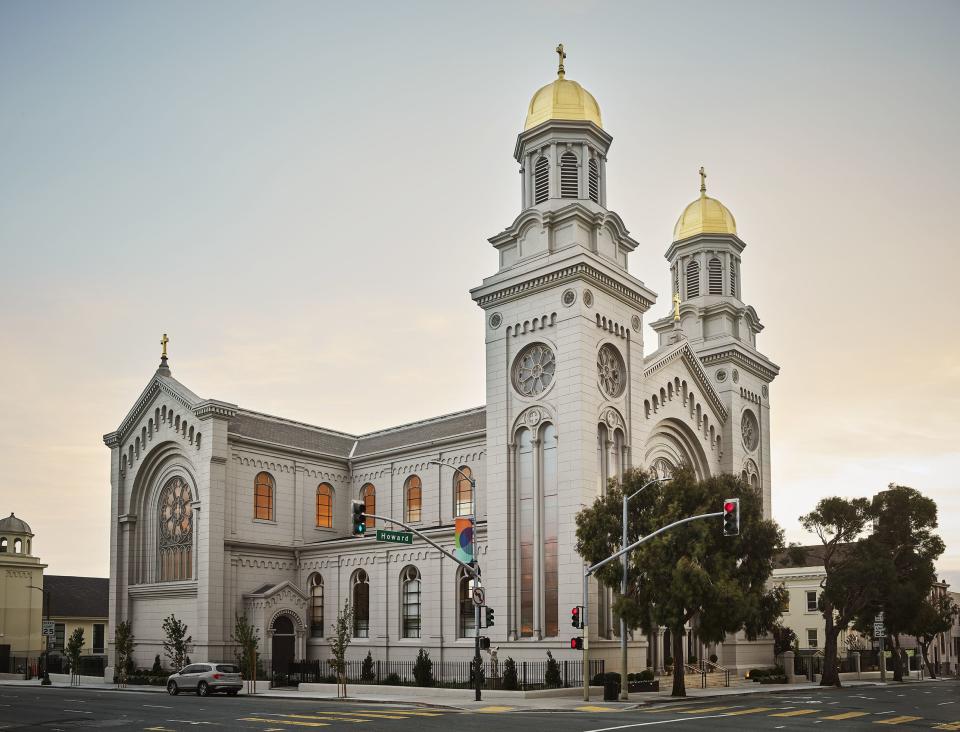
[473,481]
[644,487]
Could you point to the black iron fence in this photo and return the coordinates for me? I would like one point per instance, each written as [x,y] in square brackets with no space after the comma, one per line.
[89,665]
[524,675]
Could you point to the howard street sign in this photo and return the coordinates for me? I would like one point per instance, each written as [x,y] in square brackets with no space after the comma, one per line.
[396,537]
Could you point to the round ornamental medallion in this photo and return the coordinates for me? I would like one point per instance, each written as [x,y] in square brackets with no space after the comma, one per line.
[736,376]
[765,391]
[534,369]
[495,320]
[721,375]
[750,429]
[569,297]
[635,322]
[533,416]
[176,511]
[610,371]
[588,298]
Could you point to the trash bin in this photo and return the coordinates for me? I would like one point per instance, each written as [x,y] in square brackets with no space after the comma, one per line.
[611,689]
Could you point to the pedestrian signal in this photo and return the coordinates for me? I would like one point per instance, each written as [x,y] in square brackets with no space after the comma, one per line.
[731,517]
[484,643]
[576,644]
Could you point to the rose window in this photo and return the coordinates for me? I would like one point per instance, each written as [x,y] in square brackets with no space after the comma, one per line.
[750,429]
[610,371]
[176,530]
[534,369]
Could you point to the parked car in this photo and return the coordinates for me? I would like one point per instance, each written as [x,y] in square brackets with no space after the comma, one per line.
[206,679]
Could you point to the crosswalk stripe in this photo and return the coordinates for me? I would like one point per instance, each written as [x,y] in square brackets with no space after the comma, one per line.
[897,720]
[595,709]
[330,717]
[494,710]
[659,709]
[380,715]
[754,710]
[846,715]
[294,722]
[704,710]
[794,713]
[948,725]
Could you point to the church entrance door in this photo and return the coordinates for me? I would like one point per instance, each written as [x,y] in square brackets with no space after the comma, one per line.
[283,645]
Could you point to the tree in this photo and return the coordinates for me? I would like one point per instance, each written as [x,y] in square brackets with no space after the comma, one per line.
[338,647]
[933,616]
[248,639]
[552,678]
[175,642]
[692,571]
[366,669]
[123,645]
[852,573]
[783,639]
[423,669]
[74,649]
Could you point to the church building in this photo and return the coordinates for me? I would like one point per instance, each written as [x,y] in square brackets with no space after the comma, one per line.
[217,509]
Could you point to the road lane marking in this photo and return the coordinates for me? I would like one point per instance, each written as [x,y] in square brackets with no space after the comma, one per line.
[706,709]
[588,708]
[754,710]
[898,720]
[157,706]
[494,710]
[948,725]
[77,711]
[294,722]
[795,713]
[329,717]
[847,715]
[656,722]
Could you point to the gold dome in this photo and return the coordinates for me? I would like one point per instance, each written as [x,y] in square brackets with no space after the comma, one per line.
[562,99]
[704,216]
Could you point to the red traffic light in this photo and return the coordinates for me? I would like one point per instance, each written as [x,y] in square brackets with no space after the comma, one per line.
[575,617]
[729,506]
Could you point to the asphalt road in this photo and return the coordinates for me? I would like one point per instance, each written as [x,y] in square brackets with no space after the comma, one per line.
[910,706]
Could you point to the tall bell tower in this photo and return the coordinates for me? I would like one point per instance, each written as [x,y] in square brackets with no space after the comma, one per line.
[564,351]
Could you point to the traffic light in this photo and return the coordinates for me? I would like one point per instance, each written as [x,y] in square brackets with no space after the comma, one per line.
[359,518]
[488,622]
[576,644]
[575,619]
[731,517]
[484,643]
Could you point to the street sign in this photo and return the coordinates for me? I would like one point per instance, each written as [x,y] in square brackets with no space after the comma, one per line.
[878,630]
[397,537]
[878,618]
[478,596]
[49,628]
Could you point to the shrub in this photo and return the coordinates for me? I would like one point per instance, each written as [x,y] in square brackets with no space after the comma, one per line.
[422,669]
[713,658]
[510,682]
[693,660]
[366,669]
[157,667]
[552,677]
[645,675]
[668,661]
[392,680]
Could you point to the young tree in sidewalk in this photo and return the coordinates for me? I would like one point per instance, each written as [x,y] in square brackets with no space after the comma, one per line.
[74,649]
[176,642]
[248,640]
[692,571]
[123,645]
[933,616]
[342,635]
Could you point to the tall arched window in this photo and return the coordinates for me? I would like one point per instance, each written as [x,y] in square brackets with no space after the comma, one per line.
[551,531]
[360,591]
[525,498]
[325,506]
[715,276]
[175,535]
[316,606]
[594,181]
[410,599]
[693,279]
[18,546]
[263,497]
[569,176]
[463,491]
[3,545]
[466,620]
[413,497]
[368,494]
[541,180]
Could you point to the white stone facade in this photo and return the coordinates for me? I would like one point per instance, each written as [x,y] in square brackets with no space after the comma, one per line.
[540,449]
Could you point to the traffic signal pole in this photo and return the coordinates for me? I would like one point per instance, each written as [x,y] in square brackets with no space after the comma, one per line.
[586,589]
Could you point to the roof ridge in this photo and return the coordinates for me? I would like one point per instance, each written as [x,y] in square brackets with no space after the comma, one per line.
[298,423]
[428,420]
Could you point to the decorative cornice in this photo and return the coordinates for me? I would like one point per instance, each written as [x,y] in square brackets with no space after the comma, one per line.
[148,395]
[209,408]
[111,439]
[735,355]
[683,351]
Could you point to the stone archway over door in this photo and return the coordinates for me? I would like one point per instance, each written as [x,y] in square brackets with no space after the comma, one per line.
[283,645]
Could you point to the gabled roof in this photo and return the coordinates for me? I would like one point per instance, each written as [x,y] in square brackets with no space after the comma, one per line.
[682,351]
[448,426]
[77,597]
[265,428]
[270,590]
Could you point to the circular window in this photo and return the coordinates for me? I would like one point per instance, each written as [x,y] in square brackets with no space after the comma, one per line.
[534,369]
[721,375]
[750,429]
[569,297]
[610,371]
[495,320]
[736,376]
[588,298]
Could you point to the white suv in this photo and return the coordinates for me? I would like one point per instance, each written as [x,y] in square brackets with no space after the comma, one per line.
[206,679]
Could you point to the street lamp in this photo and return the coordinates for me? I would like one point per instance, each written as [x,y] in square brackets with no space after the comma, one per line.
[624,694]
[46,600]
[476,607]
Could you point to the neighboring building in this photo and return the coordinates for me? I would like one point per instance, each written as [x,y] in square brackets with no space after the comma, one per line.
[955,635]
[942,652]
[217,509]
[21,595]
[78,602]
[802,581]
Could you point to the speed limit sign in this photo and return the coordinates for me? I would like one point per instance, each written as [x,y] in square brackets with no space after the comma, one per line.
[478,596]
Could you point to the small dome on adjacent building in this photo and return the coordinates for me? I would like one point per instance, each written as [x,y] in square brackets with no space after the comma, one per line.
[11,524]
[562,99]
[704,216]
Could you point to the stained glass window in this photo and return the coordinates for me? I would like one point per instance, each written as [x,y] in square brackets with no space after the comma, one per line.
[414,493]
[316,606]
[176,531]
[263,497]
[410,591]
[464,491]
[324,506]
[361,604]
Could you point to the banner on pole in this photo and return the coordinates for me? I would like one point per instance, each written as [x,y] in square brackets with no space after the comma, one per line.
[463,539]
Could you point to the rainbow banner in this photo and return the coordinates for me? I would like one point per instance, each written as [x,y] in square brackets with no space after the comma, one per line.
[463,539]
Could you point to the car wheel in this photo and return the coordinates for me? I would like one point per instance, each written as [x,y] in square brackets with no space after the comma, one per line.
[172,689]
[203,689]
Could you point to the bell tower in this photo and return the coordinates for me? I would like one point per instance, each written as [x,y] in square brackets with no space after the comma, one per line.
[564,349]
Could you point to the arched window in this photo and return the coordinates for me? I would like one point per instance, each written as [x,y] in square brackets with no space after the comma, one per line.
[463,491]
[569,176]
[594,180]
[715,276]
[325,506]
[316,606]
[541,180]
[175,523]
[263,497]
[17,546]
[465,613]
[360,590]
[693,279]
[413,493]
[3,545]
[410,598]
[733,278]
[368,494]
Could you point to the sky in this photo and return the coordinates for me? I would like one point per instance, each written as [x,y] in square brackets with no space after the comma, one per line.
[300,194]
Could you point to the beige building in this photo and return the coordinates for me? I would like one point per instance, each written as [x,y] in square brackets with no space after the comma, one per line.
[78,602]
[21,595]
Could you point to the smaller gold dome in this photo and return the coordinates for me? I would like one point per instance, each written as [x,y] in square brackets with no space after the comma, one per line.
[704,216]
[562,99]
